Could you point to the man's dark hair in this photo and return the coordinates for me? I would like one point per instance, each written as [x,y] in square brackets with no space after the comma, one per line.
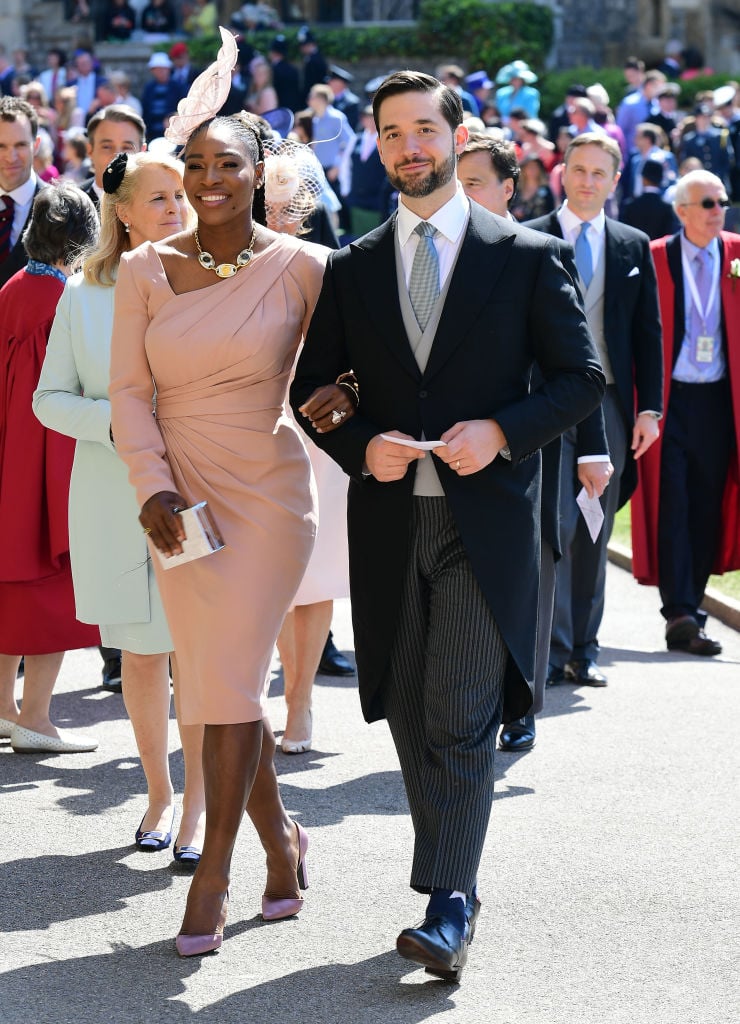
[450,106]
[115,112]
[502,153]
[63,224]
[12,108]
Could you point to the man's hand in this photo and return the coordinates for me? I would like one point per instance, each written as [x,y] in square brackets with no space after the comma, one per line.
[471,445]
[387,461]
[595,476]
[644,433]
[323,403]
[160,522]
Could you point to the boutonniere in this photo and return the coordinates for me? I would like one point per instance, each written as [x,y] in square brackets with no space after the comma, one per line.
[734,272]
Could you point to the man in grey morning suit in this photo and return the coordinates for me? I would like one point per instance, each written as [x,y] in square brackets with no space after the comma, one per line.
[617,280]
[444,549]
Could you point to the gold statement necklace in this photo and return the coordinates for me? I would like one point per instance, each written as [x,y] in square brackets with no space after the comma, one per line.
[207,261]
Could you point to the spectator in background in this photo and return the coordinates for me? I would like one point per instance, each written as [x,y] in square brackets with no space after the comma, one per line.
[183,71]
[648,210]
[516,89]
[331,131]
[634,74]
[315,67]
[638,106]
[559,117]
[35,94]
[160,96]
[453,76]
[365,198]
[533,198]
[345,100]
[7,73]
[75,165]
[43,160]
[533,142]
[110,132]
[201,19]
[85,79]
[123,95]
[581,114]
[671,63]
[479,85]
[648,137]
[158,18]
[604,117]
[708,143]
[285,77]
[120,20]
[489,171]
[667,116]
[105,95]
[262,96]
[54,76]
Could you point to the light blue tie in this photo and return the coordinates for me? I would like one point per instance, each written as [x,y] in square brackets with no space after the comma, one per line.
[584,259]
[424,279]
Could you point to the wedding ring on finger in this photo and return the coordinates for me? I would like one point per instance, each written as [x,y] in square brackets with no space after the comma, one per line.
[337,416]
[147,530]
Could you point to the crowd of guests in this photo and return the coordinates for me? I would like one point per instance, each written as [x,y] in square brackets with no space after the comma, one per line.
[635,395]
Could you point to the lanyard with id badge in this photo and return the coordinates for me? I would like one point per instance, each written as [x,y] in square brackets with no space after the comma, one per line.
[704,342]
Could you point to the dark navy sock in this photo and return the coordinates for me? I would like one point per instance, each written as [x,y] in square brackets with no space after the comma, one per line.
[452,909]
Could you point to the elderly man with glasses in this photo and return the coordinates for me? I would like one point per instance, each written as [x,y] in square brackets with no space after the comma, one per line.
[686,511]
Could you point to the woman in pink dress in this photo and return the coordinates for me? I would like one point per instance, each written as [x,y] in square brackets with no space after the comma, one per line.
[211,320]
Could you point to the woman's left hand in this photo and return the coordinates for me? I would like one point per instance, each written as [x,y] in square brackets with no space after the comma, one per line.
[328,408]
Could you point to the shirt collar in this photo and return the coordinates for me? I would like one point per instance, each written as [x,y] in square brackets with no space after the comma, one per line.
[449,220]
[691,250]
[570,222]
[24,193]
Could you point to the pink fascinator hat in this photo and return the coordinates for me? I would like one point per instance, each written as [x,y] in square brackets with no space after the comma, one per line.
[206,95]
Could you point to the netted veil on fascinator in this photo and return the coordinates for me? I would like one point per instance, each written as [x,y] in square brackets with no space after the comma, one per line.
[206,95]
[292,182]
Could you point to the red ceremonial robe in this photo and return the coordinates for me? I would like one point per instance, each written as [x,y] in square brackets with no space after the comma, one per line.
[646,497]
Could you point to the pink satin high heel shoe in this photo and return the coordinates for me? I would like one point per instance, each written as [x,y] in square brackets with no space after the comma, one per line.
[277,909]
[196,945]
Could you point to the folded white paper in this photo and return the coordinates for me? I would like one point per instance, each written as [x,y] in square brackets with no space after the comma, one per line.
[423,446]
[592,512]
[201,536]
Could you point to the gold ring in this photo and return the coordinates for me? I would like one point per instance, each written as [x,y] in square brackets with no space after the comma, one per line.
[147,529]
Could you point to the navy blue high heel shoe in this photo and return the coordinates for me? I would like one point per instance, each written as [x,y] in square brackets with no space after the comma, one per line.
[186,856]
[152,841]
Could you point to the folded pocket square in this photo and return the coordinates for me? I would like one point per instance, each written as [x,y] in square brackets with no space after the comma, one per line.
[634,272]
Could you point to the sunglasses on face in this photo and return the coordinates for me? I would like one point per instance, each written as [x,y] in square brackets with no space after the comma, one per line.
[709,204]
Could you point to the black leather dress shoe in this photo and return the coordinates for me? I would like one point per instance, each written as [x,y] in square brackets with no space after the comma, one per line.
[685,634]
[437,945]
[112,675]
[518,735]
[585,673]
[333,663]
[555,675]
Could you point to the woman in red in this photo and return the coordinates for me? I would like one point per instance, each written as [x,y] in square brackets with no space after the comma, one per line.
[37,610]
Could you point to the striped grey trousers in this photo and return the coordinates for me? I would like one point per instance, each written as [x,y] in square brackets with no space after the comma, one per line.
[443,698]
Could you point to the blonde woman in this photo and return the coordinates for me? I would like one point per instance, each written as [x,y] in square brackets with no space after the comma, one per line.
[113,579]
[262,96]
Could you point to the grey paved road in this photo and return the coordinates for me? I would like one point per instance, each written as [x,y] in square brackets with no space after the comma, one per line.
[610,875]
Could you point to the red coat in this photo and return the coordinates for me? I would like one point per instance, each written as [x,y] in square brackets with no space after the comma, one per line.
[646,497]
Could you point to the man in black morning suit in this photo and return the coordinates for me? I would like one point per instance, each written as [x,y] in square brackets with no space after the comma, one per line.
[441,313]
[19,185]
[617,281]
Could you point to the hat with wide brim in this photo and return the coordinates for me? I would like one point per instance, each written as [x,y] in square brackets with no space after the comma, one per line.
[517,69]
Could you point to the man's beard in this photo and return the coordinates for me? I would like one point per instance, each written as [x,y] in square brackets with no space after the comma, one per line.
[420,187]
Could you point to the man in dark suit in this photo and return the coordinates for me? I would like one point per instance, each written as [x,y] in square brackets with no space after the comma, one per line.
[19,185]
[649,211]
[441,312]
[686,512]
[314,65]
[285,76]
[113,130]
[345,100]
[617,281]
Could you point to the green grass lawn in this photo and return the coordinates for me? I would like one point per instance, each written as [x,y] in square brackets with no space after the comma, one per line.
[728,584]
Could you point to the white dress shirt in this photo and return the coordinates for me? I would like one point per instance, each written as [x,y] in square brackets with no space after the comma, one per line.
[23,198]
[450,221]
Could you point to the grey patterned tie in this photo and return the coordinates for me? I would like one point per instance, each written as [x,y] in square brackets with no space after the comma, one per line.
[424,280]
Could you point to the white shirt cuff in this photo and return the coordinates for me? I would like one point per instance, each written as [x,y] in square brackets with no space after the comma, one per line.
[592,458]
